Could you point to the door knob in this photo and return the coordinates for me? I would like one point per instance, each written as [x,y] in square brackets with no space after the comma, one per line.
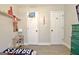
[36,30]
[51,30]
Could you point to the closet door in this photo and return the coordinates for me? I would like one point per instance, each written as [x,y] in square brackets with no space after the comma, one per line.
[32,28]
[57,27]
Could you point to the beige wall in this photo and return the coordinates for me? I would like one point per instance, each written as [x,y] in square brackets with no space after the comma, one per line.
[6,33]
[44,37]
[44,34]
[70,18]
[6,29]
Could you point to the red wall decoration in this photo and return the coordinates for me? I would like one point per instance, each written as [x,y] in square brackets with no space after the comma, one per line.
[15,19]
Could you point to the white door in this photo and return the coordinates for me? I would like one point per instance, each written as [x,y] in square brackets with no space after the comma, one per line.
[57,27]
[32,29]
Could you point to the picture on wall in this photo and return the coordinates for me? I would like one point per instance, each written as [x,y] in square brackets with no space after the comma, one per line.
[77,10]
[31,14]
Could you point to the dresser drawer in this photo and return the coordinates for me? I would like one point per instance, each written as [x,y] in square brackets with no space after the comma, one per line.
[77,30]
[75,45]
[74,33]
[74,51]
[75,42]
[75,38]
[75,27]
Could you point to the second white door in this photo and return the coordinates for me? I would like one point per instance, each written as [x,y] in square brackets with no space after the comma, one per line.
[56,27]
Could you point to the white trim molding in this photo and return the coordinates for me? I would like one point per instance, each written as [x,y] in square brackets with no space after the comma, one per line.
[38,44]
[68,46]
[45,43]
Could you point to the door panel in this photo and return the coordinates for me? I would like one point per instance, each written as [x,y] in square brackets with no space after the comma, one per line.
[56,27]
[32,29]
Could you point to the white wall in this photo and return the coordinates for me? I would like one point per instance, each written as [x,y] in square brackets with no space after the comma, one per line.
[6,29]
[6,35]
[44,34]
[70,18]
[6,32]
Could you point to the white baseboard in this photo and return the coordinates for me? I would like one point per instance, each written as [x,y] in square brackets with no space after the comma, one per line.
[43,43]
[57,43]
[68,46]
[37,44]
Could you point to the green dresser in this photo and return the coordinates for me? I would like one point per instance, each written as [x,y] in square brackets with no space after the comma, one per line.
[75,40]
